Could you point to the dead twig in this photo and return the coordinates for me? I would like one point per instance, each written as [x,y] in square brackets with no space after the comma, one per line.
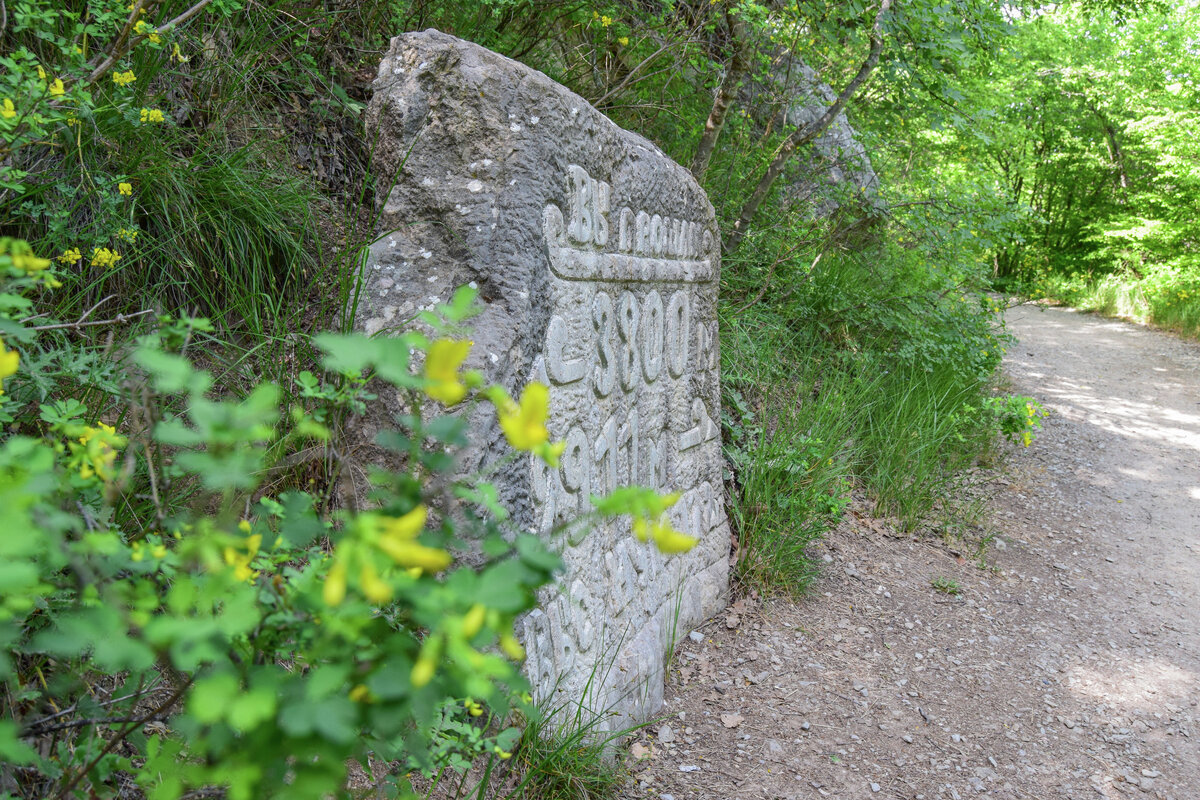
[119,319]
[137,721]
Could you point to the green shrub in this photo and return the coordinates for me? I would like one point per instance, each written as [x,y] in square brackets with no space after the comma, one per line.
[167,623]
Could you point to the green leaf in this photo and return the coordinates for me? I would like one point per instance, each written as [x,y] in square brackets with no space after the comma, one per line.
[172,374]
[483,495]
[12,749]
[348,354]
[533,552]
[332,718]
[251,709]
[503,586]
[212,695]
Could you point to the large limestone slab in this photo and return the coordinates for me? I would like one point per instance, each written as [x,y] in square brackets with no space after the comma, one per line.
[597,261]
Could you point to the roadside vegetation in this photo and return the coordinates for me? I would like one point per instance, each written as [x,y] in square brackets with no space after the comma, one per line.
[187,607]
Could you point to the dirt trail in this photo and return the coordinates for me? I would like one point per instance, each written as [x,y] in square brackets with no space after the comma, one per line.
[1068,669]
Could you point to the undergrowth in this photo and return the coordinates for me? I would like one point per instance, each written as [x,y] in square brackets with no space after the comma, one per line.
[864,367]
[1169,299]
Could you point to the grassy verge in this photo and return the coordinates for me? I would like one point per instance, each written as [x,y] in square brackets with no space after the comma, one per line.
[867,369]
[1169,301]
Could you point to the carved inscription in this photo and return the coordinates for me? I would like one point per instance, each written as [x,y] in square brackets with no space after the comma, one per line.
[622,355]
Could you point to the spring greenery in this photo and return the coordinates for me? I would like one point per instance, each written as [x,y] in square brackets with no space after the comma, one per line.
[188,603]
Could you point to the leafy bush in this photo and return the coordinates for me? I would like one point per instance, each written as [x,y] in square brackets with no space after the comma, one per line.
[166,623]
[1017,417]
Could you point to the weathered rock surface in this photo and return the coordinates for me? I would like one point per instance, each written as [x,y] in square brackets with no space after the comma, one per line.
[836,165]
[597,260]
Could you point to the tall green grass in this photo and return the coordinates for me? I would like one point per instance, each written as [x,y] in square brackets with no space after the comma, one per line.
[1169,300]
[858,370]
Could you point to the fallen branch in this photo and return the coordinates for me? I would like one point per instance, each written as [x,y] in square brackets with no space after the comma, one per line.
[119,319]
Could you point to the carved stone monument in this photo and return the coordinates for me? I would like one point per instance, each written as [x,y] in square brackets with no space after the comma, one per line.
[597,261]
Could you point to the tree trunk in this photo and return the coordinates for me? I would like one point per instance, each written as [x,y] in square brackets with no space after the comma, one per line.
[802,136]
[726,92]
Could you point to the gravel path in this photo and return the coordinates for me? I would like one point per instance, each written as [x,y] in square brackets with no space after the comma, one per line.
[1067,667]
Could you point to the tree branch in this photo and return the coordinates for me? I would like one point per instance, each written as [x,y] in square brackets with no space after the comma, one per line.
[802,136]
[119,319]
[715,123]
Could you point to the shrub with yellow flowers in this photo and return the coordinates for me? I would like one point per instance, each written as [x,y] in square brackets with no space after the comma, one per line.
[1016,417]
[167,622]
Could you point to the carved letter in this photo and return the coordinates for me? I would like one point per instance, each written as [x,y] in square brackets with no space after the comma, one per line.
[678,332]
[642,237]
[702,428]
[582,225]
[543,483]
[605,451]
[627,323]
[652,336]
[604,374]
[629,435]
[560,369]
[600,195]
[656,468]
[706,346]
[625,242]
[576,476]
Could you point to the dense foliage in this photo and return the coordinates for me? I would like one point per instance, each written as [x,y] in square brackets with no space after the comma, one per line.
[187,604]
[1083,122]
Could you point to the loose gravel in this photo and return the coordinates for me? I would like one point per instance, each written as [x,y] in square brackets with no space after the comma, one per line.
[1067,665]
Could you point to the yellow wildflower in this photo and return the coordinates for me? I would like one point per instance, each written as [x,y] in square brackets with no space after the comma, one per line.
[605,20]
[8,110]
[128,234]
[360,694]
[97,451]
[473,708]
[550,453]
[177,54]
[241,561]
[623,40]
[159,551]
[473,621]
[149,31]
[398,540]
[152,115]
[71,256]
[41,72]
[414,554]
[408,525]
[125,188]
[124,78]
[28,263]
[103,257]
[137,553]
[511,647]
[668,540]
[422,671]
[441,370]
[334,590]
[375,588]
[9,361]
[57,89]
[525,425]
